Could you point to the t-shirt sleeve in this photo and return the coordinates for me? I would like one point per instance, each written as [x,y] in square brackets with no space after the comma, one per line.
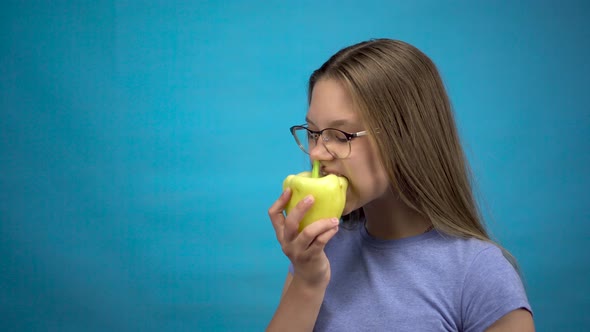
[492,288]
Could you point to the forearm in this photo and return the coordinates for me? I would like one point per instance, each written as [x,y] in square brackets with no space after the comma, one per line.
[299,308]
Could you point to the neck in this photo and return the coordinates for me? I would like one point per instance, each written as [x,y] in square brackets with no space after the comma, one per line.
[389,218]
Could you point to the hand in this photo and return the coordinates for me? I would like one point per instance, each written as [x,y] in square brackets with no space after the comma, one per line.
[305,249]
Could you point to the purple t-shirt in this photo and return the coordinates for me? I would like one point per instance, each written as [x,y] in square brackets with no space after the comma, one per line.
[429,282]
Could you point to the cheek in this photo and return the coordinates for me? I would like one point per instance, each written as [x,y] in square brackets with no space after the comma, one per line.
[368,182]
[377,180]
[361,190]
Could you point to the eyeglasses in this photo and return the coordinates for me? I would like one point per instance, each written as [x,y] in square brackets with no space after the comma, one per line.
[336,141]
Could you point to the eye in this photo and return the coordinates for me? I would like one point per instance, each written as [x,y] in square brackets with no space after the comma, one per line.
[336,136]
[341,138]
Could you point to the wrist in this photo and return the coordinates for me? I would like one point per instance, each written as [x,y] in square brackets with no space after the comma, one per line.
[310,286]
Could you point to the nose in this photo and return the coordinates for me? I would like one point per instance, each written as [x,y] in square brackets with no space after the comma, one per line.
[320,152]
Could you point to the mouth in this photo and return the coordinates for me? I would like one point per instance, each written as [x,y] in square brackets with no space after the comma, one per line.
[324,172]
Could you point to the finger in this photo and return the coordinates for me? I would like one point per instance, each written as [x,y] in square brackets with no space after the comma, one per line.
[291,229]
[319,243]
[312,232]
[275,212]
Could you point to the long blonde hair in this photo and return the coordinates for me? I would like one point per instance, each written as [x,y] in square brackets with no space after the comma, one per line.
[402,100]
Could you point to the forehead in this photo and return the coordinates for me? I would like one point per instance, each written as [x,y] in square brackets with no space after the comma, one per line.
[331,105]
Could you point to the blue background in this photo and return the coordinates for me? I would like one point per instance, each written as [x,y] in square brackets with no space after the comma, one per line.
[142,143]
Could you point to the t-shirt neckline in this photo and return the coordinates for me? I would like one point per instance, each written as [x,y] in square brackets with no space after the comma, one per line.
[406,241]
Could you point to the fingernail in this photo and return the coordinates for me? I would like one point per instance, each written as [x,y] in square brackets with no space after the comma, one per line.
[308,199]
[335,221]
[286,191]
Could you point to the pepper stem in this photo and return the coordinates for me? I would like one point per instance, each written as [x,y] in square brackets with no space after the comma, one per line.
[315,170]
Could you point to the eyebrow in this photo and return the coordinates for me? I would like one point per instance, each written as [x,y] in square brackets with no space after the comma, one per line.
[335,123]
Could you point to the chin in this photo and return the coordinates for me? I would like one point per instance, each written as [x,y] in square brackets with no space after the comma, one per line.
[349,207]
[346,211]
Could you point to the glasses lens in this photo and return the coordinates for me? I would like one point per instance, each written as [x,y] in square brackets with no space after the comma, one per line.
[305,139]
[336,142]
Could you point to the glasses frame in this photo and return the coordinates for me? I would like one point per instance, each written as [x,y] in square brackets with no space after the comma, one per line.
[318,134]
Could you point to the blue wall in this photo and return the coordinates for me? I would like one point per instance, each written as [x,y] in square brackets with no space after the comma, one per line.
[141,145]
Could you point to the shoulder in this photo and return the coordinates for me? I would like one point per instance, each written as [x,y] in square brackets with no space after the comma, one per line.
[488,285]
[463,253]
[470,247]
[492,288]
[486,260]
[482,262]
